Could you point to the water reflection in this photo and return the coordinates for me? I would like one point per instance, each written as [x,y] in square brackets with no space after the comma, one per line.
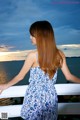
[3,79]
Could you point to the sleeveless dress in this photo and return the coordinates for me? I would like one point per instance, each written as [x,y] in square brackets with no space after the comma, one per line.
[40,100]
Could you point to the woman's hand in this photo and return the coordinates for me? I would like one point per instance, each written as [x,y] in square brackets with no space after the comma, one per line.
[3,87]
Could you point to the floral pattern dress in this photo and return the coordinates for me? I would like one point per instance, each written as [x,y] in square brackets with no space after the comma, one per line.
[40,100]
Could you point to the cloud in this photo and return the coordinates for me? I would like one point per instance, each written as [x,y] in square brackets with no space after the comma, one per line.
[9,34]
[70,46]
[5,48]
[17,16]
[67,35]
[66,2]
[16,55]
[70,50]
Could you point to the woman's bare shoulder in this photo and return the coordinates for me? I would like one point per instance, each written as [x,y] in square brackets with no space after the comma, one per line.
[62,53]
[32,54]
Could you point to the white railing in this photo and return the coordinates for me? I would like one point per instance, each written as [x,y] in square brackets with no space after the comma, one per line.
[62,89]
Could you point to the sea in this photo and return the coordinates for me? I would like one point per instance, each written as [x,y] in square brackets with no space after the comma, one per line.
[10,69]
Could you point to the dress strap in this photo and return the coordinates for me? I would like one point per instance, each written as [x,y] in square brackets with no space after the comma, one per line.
[37,57]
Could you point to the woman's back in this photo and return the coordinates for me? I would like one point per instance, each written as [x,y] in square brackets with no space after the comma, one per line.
[40,97]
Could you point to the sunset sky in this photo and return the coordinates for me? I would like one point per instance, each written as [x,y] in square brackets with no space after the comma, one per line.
[16,16]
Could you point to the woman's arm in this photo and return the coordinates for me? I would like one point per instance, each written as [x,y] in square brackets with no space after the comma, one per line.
[67,72]
[26,66]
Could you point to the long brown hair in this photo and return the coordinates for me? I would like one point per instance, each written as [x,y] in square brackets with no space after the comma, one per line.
[48,55]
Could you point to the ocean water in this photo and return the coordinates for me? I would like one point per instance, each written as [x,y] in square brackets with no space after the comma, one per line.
[9,69]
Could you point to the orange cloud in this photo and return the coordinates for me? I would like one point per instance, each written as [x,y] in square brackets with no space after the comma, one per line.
[10,56]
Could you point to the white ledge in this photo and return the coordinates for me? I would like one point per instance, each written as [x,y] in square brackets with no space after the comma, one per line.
[63,109]
[62,89]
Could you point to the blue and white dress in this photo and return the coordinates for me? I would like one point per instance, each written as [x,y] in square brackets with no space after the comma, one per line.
[40,101]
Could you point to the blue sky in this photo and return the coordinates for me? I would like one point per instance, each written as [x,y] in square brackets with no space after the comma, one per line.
[16,16]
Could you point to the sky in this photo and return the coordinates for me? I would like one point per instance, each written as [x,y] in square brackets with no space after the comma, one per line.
[16,16]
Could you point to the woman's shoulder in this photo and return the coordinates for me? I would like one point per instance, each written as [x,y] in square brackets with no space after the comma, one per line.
[32,54]
[61,53]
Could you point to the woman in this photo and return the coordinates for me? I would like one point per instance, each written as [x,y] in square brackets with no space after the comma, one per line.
[40,101]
